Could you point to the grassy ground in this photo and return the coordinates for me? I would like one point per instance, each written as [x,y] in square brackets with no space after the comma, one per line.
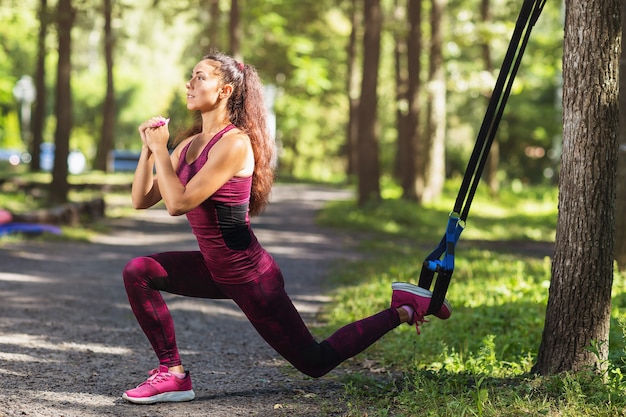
[478,362]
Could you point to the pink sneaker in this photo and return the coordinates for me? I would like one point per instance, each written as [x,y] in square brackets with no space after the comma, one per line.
[161,386]
[418,298]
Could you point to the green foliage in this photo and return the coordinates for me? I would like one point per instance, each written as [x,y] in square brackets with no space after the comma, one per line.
[530,130]
[300,47]
[477,363]
[18,28]
[300,55]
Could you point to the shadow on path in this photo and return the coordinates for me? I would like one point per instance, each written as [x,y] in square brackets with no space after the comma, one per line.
[69,344]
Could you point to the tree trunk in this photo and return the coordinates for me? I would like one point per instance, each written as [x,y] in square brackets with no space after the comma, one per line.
[435,164]
[579,303]
[213,26]
[234,28]
[108,115]
[368,165]
[620,206]
[39,113]
[59,187]
[402,86]
[353,94]
[412,182]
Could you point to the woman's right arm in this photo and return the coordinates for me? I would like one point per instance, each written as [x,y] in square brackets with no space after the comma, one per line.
[145,189]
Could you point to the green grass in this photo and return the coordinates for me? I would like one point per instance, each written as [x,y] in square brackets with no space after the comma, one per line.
[522,215]
[477,363]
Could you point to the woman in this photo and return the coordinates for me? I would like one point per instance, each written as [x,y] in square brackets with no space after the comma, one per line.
[218,175]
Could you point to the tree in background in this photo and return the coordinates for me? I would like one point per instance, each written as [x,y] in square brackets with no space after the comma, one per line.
[39,114]
[401,75]
[434,166]
[411,153]
[579,303]
[234,29]
[352,88]
[107,136]
[59,187]
[368,164]
[214,25]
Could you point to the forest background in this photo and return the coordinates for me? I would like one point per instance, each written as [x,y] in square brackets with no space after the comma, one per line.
[300,49]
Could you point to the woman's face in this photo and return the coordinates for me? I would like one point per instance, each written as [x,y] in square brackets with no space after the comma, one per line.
[204,88]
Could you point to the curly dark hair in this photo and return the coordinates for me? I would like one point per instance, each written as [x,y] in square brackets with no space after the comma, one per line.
[246,110]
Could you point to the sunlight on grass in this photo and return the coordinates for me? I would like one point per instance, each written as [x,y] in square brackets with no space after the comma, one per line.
[481,358]
[479,361]
[475,364]
[509,216]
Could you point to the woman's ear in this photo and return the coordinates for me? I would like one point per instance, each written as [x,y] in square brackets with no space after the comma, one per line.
[226,91]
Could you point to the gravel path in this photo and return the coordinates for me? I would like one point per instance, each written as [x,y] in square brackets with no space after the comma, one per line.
[69,344]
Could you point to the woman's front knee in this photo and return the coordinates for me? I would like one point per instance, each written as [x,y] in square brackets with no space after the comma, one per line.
[138,269]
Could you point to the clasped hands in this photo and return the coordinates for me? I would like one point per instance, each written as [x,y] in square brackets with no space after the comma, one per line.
[154,133]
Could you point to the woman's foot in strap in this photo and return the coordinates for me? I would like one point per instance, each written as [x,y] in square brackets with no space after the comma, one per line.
[418,299]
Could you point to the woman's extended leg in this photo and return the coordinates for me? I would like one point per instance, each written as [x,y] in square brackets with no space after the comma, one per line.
[274,316]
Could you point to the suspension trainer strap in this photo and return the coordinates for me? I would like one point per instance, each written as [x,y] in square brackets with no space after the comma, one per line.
[531,9]
[440,262]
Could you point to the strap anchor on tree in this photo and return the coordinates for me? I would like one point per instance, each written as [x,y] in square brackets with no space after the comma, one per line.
[439,264]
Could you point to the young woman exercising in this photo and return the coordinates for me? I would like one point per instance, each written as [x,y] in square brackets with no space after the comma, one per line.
[218,175]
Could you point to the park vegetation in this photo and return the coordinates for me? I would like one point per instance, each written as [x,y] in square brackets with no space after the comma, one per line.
[402,139]
[479,362]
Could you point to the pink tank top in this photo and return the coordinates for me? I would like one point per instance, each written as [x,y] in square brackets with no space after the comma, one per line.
[221,224]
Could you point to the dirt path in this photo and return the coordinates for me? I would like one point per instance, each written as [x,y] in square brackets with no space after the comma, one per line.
[69,344]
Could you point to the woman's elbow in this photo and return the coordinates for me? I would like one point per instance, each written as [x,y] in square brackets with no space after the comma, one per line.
[143,202]
[175,212]
[176,209]
[139,205]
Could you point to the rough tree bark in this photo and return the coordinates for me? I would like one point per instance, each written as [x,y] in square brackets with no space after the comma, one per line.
[579,303]
[620,207]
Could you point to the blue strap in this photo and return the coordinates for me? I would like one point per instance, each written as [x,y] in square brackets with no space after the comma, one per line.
[441,262]
[446,246]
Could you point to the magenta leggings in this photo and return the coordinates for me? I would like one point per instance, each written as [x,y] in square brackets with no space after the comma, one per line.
[264,302]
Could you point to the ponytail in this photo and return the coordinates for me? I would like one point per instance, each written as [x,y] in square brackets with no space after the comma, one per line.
[246,110]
